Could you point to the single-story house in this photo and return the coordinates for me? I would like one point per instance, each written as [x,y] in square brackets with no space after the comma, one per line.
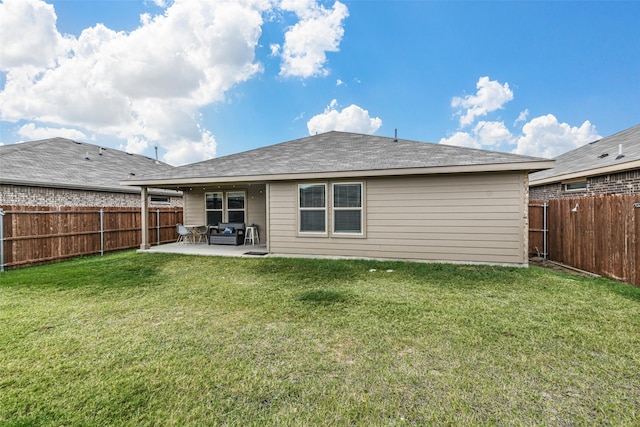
[61,172]
[609,165]
[352,195]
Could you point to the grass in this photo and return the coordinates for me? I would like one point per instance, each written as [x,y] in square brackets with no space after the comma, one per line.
[153,339]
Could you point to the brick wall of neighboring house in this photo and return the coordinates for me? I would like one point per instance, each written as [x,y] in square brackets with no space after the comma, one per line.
[618,183]
[19,195]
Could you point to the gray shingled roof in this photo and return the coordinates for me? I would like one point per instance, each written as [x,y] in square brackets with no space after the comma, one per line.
[598,154]
[60,162]
[337,152]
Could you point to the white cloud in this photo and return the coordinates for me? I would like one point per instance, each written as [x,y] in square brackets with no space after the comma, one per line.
[189,151]
[319,30]
[490,96]
[351,119]
[492,134]
[544,136]
[29,34]
[522,117]
[461,139]
[339,82]
[487,135]
[275,49]
[31,132]
[145,86]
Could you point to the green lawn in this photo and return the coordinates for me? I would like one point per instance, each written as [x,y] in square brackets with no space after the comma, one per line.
[151,339]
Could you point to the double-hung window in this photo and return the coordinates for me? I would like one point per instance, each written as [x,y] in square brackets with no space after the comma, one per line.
[312,208]
[347,208]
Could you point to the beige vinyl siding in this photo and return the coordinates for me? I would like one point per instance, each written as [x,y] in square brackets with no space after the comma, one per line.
[255,206]
[455,218]
[193,207]
[257,209]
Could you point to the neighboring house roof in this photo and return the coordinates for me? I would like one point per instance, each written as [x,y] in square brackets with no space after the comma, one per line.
[600,157]
[63,163]
[342,154]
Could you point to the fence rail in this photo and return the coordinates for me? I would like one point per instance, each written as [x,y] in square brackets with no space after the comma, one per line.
[38,235]
[600,234]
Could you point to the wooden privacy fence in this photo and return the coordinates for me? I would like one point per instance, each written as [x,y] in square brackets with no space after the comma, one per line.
[600,234]
[538,230]
[37,235]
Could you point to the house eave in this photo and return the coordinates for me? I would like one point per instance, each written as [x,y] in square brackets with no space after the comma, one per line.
[587,173]
[105,189]
[490,167]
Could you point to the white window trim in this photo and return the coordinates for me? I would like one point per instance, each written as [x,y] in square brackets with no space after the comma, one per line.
[334,209]
[226,204]
[569,190]
[206,211]
[165,200]
[299,209]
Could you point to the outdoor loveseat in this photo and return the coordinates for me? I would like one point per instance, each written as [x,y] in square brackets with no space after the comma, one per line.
[227,233]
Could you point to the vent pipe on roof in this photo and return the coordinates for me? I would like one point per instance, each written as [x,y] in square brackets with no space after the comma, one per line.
[395,138]
[620,155]
[86,157]
[156,147]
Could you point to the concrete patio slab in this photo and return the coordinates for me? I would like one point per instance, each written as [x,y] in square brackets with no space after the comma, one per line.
[208,250]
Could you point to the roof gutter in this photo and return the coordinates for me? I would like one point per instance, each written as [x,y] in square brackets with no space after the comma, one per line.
[497,167]
[587,173]
[121,189]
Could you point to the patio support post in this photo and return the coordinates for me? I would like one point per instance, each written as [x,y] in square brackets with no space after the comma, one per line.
[144,218]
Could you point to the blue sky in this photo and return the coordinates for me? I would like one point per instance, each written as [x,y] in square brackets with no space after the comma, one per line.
[204,79]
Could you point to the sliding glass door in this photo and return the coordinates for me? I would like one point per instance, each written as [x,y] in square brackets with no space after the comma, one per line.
[225,206]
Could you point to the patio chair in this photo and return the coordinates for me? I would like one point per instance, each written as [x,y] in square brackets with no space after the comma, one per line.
[201,234]
[183,233]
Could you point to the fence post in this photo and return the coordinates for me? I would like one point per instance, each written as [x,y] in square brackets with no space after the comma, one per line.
[101,231]
[158,224]
[1,240]
[544,230]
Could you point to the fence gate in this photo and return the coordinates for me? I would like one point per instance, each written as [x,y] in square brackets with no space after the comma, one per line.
[599,234]
[538,230]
